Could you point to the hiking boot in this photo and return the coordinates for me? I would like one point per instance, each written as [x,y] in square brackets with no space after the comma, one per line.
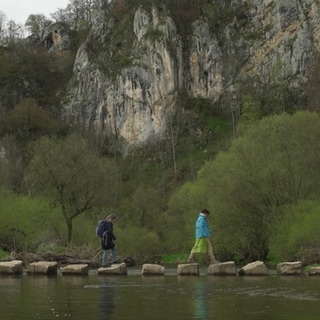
[190,260]
[116,262]
[106,265]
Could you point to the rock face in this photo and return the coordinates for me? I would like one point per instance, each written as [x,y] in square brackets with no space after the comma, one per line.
[56,38]
[135,105]
[137,101]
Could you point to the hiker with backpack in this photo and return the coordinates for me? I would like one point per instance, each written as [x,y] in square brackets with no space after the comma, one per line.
[107,239]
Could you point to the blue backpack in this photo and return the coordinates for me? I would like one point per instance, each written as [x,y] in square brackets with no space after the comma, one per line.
[101,230]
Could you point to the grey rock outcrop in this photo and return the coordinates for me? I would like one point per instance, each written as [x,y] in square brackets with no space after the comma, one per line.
[56,38]
[136,104]
[275,39]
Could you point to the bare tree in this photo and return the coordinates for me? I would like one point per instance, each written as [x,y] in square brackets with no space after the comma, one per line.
[77,14]
[74,177]
[15,31]
[3,19]
[37,24]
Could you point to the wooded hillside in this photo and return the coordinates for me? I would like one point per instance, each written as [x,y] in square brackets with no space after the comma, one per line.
[255,166]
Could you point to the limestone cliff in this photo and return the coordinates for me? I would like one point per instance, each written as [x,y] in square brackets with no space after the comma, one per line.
[135,101]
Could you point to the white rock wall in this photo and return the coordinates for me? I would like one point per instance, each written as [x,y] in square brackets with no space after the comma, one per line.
[135,105]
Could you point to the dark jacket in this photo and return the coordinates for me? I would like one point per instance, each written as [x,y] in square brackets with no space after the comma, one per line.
[107,240]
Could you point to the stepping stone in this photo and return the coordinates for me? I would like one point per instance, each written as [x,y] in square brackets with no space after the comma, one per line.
[11,267]
[257,268]
[152,269]
[75,269]
[43,267]
[314,271]
[227,268]
[188,269]
[290,268]
[114,269]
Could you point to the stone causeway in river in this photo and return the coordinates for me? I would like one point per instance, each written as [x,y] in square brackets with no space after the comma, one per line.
[257,268]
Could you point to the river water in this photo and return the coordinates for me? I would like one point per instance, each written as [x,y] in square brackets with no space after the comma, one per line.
[134,297]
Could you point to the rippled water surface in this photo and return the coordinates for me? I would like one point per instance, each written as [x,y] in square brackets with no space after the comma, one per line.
[168,297]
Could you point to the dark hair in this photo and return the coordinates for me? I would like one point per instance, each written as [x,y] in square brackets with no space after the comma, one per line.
[205,211]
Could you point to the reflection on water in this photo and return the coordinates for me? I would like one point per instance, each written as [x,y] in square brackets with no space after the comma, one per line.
[201,300]
[108,299]
[171,297]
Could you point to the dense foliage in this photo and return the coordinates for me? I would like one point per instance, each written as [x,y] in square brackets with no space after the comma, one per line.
[260,180]
[272,167]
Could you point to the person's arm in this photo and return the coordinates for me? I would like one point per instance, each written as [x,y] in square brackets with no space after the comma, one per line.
[110,231]
[205,228]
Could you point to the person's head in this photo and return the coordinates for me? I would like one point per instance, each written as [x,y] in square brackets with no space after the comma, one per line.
[111,217]
[206,212]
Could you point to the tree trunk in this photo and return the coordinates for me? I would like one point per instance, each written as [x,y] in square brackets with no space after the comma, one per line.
[70,231]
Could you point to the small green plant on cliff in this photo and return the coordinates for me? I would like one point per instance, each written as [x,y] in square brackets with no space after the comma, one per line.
[123,61]
[257,34]
[153,33]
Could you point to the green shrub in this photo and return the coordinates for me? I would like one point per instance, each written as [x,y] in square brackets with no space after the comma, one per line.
[26,222]
[3,254]
[174,258]
[297,231]
[137,242]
